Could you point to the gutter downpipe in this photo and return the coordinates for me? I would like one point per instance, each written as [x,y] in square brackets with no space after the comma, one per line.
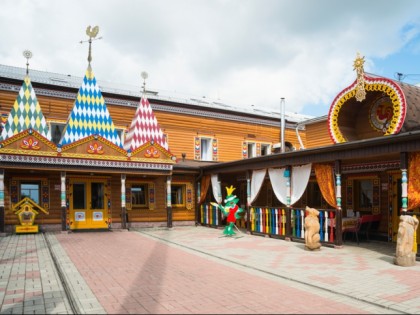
[282,125]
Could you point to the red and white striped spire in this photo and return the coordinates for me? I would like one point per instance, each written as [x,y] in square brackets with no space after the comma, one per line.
[144,126]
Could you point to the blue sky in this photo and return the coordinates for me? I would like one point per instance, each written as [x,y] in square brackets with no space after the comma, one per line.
[244,53]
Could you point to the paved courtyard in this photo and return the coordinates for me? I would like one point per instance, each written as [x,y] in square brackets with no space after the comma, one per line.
[195,270]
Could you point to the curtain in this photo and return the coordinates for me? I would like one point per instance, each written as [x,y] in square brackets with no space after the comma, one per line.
[279,182]
[217,193]
[256,183]
[299,181]
[413,180]
[204,188]
[325,177]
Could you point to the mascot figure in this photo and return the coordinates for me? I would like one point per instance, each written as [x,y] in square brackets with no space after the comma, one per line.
[231,210]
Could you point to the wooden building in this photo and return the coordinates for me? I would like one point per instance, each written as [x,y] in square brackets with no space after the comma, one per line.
[98,155]
[95,155]
[361,160]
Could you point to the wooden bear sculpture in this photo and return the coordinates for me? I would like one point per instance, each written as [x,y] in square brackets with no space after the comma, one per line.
[405,256]
[312,238]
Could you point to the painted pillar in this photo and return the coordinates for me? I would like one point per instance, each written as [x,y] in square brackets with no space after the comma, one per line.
[339,214]
[124,217]
[219,200]
[63,198]
[2,219]
[198,205]
[248,202]
[404,191]
[169,202]
[404,182]
[288,188]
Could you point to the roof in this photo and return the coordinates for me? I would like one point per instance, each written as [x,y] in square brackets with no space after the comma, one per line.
[70,81]
[90,115]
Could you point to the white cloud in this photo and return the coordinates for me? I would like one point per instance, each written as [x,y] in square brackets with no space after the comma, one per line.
[241,52]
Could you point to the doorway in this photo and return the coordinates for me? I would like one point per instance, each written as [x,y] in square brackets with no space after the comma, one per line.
[87,204]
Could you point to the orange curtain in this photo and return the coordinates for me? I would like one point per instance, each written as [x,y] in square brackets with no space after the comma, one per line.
[413,180]
[325,177]
[205,184]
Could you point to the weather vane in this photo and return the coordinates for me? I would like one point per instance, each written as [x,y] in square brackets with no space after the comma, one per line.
[360,85]
[91,32]
[144,75]
[28,55]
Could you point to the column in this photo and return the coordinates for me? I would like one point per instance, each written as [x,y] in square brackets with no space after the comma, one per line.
[169,202]
[248,202]
[2,219]
[124,218]
[63,197]
[339,214]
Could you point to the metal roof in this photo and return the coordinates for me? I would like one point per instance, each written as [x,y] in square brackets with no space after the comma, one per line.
[74,82]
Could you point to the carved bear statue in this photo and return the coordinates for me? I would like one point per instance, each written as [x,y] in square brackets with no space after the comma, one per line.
[312,238]
[404,255]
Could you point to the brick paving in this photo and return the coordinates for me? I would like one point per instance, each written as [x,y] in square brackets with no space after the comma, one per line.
[194,270]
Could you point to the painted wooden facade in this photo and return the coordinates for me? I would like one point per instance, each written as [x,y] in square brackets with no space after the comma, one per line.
[370,139]
[132,183]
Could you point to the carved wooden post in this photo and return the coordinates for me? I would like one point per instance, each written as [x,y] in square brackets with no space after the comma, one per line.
[63,201]
[2,220]
[123,203]
[339,213]
[169,202]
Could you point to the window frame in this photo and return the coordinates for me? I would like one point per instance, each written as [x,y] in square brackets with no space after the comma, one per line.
[31,182]
[209,150]
[146,196]
[183,187]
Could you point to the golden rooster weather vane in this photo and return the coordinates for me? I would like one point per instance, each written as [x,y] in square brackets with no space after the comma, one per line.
[91,32]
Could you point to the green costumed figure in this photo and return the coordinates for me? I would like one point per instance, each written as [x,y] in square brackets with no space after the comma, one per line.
[231,210]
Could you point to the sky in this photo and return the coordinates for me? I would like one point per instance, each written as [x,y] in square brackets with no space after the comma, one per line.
[244,53]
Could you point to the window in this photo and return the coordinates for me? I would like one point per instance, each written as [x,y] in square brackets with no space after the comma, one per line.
[97,195]
[206,149]
[56,132]
[314,196]
[79,196]
[139,195]
[31,190]
[178,195]
[364,189]
[265,149]
[252,152]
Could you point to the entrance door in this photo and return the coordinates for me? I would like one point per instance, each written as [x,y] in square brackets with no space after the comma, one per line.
[87,205]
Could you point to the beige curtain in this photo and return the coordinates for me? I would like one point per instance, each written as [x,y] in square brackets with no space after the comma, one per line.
[325,177]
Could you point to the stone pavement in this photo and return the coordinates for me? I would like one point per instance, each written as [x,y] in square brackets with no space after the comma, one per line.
[195,270]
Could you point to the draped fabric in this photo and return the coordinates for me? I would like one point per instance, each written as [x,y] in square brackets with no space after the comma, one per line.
[299,181]
[413,180]
[256,183]
[205,184]
[217,193]
[279,183]
[325,177]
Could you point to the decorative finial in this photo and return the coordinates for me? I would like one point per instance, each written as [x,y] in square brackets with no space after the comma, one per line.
[360,85]
[144,75]
[28,55]
[91,32]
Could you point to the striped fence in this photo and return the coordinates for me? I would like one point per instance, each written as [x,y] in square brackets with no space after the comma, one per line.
[274,222]
[209,215]
[280,222]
